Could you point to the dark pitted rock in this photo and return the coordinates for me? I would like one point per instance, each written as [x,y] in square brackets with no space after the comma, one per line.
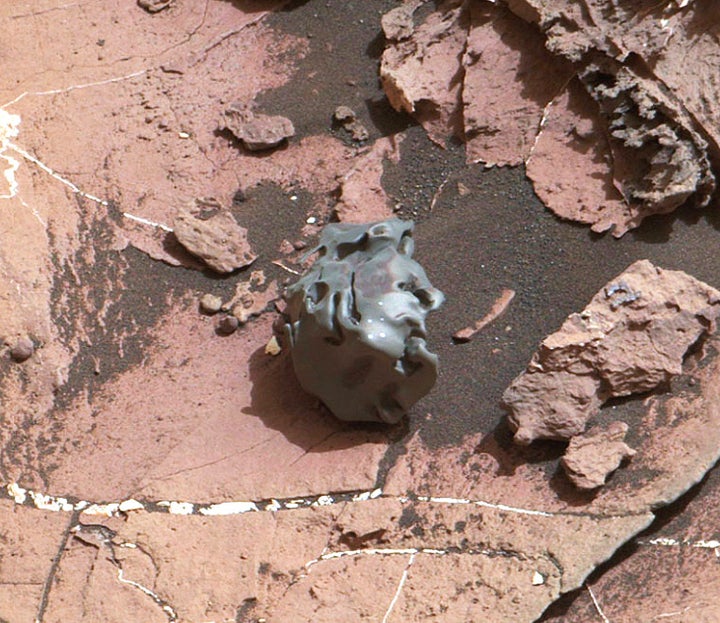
[356,322]
[228,324]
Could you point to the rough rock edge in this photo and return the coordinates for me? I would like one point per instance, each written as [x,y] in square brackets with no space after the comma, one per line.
[632,336]
[661,159]
[218,240]
[256,131]
[592,456]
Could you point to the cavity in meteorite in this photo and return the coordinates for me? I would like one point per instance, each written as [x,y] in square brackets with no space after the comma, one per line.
[356,322]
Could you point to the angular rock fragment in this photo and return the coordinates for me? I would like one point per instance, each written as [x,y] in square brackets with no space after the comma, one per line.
[256,131]
[250,298]
[397,24]
[210,304]
[356,322]
[347,118]
[422,74]
[632,336]
[592,456]
[218,240]
[154,6]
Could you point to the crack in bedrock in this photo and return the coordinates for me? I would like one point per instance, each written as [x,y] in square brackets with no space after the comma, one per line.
[27,497]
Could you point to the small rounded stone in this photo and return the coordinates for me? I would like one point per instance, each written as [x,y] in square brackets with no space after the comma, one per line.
[210,304]
[22,350]
[228,325]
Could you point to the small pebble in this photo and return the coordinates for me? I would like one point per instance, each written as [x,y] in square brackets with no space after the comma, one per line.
[228,325]
[22,350]
[344,114]
[210,304]
[272,348]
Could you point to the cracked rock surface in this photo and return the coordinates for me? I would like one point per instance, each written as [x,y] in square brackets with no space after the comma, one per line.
[498,76]
[155,469]
[632,336]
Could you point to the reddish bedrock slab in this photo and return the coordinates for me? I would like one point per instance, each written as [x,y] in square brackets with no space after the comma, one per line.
[29,543]
[632,336]
[221,420]
[362,197]
[677,441]
[570,165]
[510,78]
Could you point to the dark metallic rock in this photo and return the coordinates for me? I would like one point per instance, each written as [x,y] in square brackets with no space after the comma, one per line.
[356,322]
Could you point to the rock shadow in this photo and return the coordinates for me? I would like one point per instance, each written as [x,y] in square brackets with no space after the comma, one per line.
[277,398]
[509,456]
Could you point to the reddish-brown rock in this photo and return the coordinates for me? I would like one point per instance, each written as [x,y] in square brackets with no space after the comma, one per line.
[256,131]
[570,164]
[510,78]
[421,74]
[218,240]
[362,197]
[592,456]
[632,336]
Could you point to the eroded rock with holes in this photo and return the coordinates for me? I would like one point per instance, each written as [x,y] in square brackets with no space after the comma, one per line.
[356,322]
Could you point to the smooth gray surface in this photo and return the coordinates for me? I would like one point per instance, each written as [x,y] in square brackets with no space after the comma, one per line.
[357,322]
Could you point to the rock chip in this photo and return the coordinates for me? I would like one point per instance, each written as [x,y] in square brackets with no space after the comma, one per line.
[210,304]
[420,74]
[218,240]
[273,348]
[632,336]
[397,24]
[591,457]
[347,118]
[256,131]
[153,6]
[250,299]
[22,350]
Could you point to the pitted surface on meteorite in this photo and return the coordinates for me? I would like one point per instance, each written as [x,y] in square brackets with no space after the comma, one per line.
[357,322]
